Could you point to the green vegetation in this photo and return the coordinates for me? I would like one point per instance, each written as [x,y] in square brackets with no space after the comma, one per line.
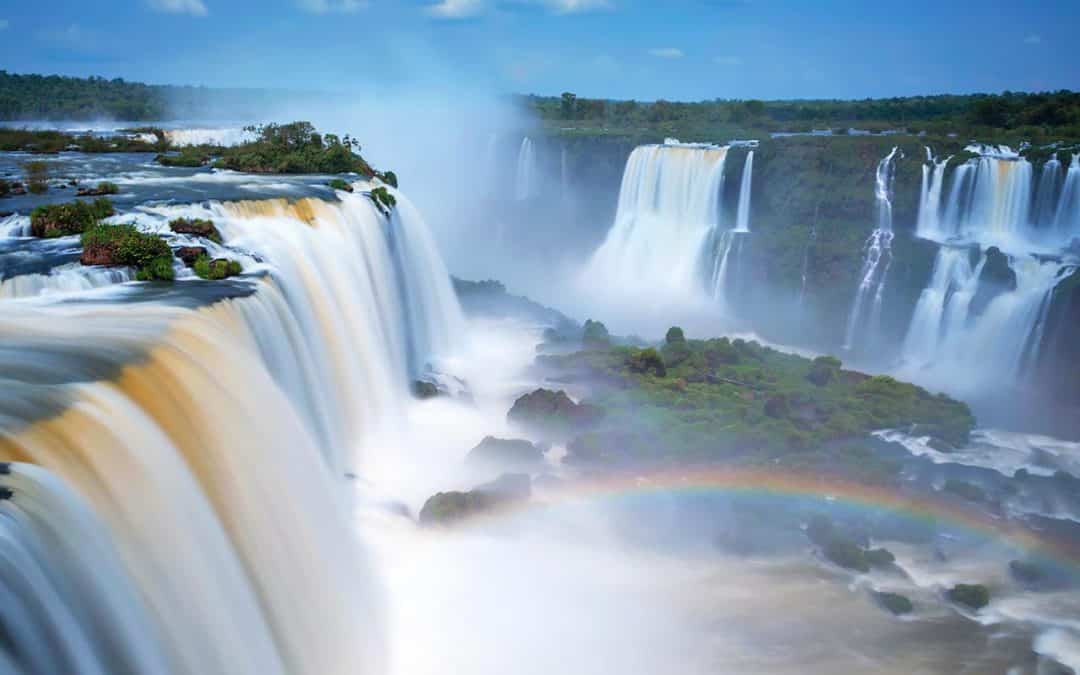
[216,269]
[37,177]
[340,184]
[199,227]
[61,220]
[149,254]
[388,177]
[191,158]
[103,188]
[294,148]
[595,335]
[1033,115]
[384,201]
[51,142]
[974,596]
[894,602]
[734,400]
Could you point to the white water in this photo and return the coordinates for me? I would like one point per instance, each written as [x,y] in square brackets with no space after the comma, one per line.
[994,200]
[216,460]
[224,137]
[72,278]
[876,265]
[525,177]
[668,213]
[742,213]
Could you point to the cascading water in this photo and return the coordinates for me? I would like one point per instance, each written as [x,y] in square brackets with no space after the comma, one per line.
[669,207]
[1067,215]
[144,402]
[875,269]
[993,201]
[525,176]
[933,179]
[742,213]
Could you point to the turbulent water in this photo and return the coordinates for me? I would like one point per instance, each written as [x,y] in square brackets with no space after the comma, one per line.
[997,200]
[144,403]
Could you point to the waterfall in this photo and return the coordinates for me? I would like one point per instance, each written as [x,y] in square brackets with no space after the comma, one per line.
[993,201]
[526,171]
[1067,216]
[73,278]
[742,214]
[666,222]
[208,429]
[564,175]
[933,178]
[875,269]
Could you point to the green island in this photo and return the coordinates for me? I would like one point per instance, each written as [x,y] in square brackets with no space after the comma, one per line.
[735,401]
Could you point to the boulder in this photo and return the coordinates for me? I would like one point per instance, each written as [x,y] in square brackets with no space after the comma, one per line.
[512,454]
[974,596]
[189,254]
[553,413]
[449,508]
[894,602]
[997,277]
[198,227]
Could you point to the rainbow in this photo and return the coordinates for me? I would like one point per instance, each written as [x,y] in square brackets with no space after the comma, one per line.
[787,485]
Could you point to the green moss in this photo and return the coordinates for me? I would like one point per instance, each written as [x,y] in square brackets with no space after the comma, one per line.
[975,596]
[216,269]
[61,220]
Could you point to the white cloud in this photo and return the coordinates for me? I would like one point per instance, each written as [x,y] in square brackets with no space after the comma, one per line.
[727,61]
[333,6]
[667,52]
[576,6]
[461,9]
[192,7]
[457,9]
[1033,39]
[4,24]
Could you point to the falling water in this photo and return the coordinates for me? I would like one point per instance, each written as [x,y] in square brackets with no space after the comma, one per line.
[526,171]
[933,178]
[875,270]
[668,212]
[993,201]
[564,174]
[742,214]
[210,437]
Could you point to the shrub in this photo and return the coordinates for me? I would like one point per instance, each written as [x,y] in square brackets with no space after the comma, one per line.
[894,602]
[37,176]
[340,184]
[644,361]
[187,159]
[216,269]
[595,334]
[390,178]
[199,227]
[675,336]
[59,220]
[107,188]
[975,596]
[158,269]
[846,553]
[127,244]
[822,370]
[384,201]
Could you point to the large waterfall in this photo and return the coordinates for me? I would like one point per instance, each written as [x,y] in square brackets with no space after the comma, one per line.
[178,502]
[667,236]
[875,270]
[1007,235]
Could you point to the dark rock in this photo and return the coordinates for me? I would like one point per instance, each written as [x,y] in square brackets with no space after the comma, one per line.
[518,455]
[189,254]
[424,389]
[448,508]
[846,553]
[879,557]
[553,412]
[894,602]
[997,277]
[974,596]
[940,445]
[198,227]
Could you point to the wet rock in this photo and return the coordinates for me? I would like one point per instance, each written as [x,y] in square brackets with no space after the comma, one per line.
[894,602]
[449,508]
[513,454]
[553,413]
[189,254]
[198,227]
[973,596]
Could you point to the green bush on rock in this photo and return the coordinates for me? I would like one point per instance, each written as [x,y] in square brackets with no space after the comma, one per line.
[61,220]
[383,200]
[552,413]
[340,184]
[149,254]
[975,596]
[199,227]
[216,269]
[644,361]
[894,602]
[595,335]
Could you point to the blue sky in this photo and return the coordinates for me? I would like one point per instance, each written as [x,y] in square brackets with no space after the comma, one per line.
[679,49]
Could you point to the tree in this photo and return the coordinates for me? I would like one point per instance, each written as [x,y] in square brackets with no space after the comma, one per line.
[568,108]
